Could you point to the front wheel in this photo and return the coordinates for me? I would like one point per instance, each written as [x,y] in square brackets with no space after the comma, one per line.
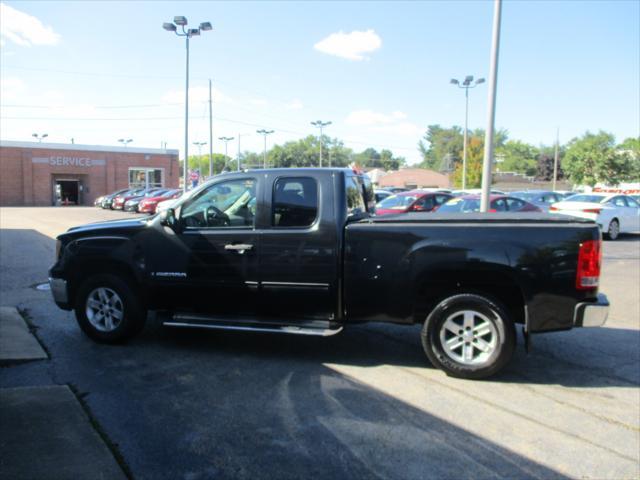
[108,310]
[469,336]
[613,232]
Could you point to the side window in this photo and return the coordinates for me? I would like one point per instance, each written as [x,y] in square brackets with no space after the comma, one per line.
[618,201]
[499,205]
[355,202]
[514,204]
[230,204]
[440,199]
[295,202]
[425,203]
[632,203]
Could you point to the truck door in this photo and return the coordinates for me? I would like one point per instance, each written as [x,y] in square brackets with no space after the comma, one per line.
[220,246]
[298,260]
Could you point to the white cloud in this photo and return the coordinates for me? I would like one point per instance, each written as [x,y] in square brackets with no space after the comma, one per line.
[364,118]
[351,45]
[24,29]
[295,105]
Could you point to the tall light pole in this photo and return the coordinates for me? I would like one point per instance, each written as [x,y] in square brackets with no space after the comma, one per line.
[199,145]
[125,141]
[555,159]
[320,124]
[226,141]
[187,33]
[40,137]
[264,133]
[467,83]
[491,114]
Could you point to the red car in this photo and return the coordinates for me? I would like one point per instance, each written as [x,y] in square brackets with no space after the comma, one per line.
[412,201]
[119,200]
[498,203]
[148,205]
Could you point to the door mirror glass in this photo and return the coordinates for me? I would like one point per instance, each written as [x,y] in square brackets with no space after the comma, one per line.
[168,218]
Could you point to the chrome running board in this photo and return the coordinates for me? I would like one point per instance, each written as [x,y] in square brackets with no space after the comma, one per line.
[315,327]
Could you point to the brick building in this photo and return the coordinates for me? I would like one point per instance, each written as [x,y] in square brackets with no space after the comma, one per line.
[43,174]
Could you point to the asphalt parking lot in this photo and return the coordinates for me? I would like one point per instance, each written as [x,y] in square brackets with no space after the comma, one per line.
[365,403]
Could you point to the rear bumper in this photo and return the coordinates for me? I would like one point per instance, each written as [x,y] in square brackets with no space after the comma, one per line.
[591,314]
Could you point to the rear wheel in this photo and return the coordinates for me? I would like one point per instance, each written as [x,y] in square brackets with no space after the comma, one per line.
[108,309]
[613,232]
[469,336]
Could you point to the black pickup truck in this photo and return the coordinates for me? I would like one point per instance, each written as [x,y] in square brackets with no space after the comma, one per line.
[301,251]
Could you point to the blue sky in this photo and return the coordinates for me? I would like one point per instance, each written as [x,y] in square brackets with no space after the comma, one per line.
[379,71]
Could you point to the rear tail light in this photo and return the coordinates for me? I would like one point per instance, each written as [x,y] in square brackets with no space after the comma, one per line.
[553,209]
[592,210]
[589,259]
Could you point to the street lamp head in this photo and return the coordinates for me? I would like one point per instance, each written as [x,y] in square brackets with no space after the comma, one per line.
[468,79]
[205,26]
[454,81]
[182,21]
[35,135]
[121,139]
[479,81]
[45,135]
[194,32]
[169,27]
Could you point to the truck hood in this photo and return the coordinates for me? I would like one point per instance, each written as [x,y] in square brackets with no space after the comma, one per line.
[110,225]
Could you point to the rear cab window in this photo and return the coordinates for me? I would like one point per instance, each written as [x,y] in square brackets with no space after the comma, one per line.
[295,202]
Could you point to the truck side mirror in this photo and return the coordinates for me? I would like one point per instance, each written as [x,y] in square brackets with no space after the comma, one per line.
[168,219]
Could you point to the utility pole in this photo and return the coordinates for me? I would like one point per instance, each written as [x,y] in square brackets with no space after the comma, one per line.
[320,124]
[555,160]
[210,131]
[264,133]
[467,83]
[226,141]
[238,165]
[491,116]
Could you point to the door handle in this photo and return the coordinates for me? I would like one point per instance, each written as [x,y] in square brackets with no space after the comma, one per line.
[238,247]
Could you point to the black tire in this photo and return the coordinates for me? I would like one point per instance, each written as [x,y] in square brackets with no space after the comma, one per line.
[613,231]
[490,316]
[133,312]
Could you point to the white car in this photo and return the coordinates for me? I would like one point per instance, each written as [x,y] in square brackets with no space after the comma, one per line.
[614,213]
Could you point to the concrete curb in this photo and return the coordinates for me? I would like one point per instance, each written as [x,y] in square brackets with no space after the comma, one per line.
[45,433]
[17,343]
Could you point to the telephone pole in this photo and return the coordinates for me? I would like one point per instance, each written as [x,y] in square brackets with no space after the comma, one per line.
[555,160]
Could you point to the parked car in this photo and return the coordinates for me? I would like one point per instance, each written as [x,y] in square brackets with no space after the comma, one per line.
[396,189]
[474,191]
[412,201]
[497,203]
[614,213]
[149,204]
[131,205]
[119,200]
[308,258]
[107,200]
[381,194]
[98,201]
[542,199]
[167,204]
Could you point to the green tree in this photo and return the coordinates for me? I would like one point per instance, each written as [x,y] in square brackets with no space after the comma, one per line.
[630,148]
[594,158]
[518,157]
[371,158]
[475,154]
[442,148]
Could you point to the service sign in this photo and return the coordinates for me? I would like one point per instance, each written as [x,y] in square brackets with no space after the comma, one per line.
[62,161]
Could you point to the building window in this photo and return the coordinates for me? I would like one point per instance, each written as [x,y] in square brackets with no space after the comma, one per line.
[143,177]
